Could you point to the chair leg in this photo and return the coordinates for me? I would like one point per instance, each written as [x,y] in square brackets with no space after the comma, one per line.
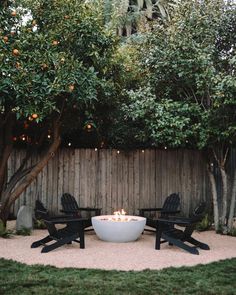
[81,235]
[41,242]
[158,238]
[59,243]
[180,244]
[198,244]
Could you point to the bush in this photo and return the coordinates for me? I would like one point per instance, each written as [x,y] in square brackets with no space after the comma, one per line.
[205,224]
[4,233]
[24,231]
[39,224]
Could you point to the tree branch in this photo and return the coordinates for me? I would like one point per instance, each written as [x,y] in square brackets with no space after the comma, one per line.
[27,180]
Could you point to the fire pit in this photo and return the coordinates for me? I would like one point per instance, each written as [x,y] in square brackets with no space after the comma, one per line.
[118,228]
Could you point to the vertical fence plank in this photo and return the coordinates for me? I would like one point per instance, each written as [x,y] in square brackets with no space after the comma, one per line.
[114,184]
[77,174]
[60,188]
[130,184]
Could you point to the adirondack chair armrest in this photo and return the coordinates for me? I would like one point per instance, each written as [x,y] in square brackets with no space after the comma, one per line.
[150,209]
[143,210]
[61,216]
[89,209]
[170,211]
[37,211]
[179,221]
[71,211]
[65,220]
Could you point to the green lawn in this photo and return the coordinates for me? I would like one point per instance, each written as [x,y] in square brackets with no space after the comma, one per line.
[215,278]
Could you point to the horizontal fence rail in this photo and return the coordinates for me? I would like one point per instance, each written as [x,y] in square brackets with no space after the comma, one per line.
[112,180]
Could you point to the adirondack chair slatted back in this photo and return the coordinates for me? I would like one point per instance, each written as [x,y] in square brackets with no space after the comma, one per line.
[69,204]
[196,217]
[170,207]
[40,211]
[172,203]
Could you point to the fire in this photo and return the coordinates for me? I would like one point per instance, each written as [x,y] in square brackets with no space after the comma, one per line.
[119,216]
[119,213]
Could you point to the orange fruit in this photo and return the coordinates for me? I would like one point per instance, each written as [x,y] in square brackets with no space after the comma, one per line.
[13,13]
[55,42]
[34,22]
[15,52]
[34,116]
[71,87]
[44,66]
[66,17]
[17,65]
[5,38]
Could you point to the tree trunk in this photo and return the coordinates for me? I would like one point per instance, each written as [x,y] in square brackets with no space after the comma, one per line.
[10,196]
[232,204]
[214,197]
[224,197]
[6,145]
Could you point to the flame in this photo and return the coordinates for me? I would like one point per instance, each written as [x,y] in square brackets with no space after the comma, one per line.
[119,215]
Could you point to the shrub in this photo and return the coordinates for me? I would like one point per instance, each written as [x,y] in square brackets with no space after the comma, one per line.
[4,233]
[24,231]
[205,224]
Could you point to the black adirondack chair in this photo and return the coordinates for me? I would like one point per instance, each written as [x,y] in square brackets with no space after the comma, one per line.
[167,231]
[70,206]
[170,207]
[72,232]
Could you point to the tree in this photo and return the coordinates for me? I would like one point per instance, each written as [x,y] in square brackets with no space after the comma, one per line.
[54,60]
[131,16]
[187,98]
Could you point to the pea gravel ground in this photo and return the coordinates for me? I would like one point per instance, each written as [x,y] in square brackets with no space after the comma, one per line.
[138,255]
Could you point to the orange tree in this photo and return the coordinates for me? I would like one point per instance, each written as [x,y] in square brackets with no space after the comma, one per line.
[54,64]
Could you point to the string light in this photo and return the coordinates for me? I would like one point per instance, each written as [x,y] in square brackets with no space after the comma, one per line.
[143,151]
[95,149]
[165,147]
[69,144]
[49,136]
[118,152]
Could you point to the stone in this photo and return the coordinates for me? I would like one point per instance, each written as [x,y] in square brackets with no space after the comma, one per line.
[24,218]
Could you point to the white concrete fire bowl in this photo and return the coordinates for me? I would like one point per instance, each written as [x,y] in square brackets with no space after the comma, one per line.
[118,230]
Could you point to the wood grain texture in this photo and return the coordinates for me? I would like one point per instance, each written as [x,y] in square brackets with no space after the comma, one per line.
[110,180]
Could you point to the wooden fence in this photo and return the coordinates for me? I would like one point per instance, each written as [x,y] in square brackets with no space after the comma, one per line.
[112,180]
